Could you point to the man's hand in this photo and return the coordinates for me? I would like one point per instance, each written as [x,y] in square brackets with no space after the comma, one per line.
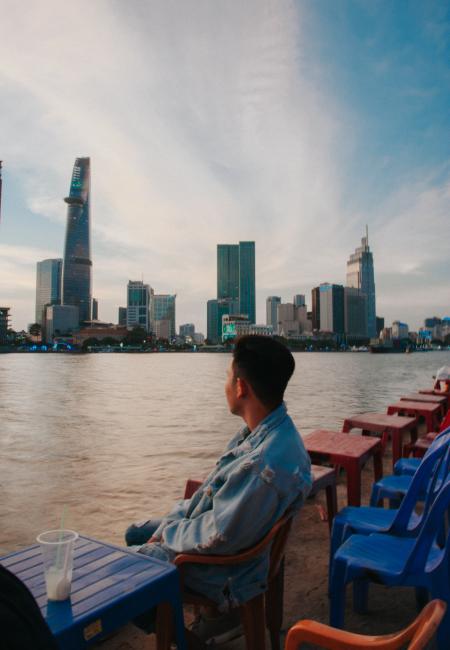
[153,539]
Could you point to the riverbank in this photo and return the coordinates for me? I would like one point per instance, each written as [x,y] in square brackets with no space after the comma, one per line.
[306,577]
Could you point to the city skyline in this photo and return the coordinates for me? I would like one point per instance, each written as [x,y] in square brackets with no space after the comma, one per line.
[294,125]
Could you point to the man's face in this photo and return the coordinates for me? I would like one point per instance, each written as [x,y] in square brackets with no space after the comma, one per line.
[231,389]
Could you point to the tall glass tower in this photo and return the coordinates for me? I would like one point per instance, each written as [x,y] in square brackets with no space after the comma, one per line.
[227,271]
[247,301]
[77,267]
[360,274]
[48,286]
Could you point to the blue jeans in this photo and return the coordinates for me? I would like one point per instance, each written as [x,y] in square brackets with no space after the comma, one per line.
[140,533]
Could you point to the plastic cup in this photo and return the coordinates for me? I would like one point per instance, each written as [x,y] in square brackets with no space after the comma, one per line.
[57,554]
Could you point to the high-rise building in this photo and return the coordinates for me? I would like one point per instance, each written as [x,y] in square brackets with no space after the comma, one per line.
[187,329]
[227,271]
[94,309]
[61,320]
[247,300]
[122,316]
[4,325]
[432,322]
[215,310]
[77,267]
[48,286]
[399,330]
[271,311]
[379,324]
[163,308]
[139,301]
[355,312]
[299,300]
[315,308]
[360,275]
[332,308]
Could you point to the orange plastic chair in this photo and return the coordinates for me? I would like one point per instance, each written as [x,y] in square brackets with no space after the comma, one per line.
[265,610]
[418,634]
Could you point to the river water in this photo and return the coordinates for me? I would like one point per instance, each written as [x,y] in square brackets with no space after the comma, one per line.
[111,438]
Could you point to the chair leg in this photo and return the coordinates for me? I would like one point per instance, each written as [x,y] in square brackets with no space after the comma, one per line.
[164,627]
[337,594]
[252,616]
[274,607]
[360,595]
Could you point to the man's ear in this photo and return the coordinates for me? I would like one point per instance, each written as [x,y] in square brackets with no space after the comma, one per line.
[241,387]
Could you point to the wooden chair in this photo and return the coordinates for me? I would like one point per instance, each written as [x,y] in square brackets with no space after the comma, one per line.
[418,634]
[265,610]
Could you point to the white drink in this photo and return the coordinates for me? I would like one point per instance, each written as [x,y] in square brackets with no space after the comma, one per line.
[58,584]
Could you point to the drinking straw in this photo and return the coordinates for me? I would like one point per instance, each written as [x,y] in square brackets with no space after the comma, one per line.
[61,528]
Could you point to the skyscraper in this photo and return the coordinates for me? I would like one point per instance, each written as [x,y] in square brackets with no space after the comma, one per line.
[48,286]
[355,312]
[139,301]
[332,308]
[360,275]
[247,303]
[315,308]
[227,271]
[163,309]
[271,311]
[77,267]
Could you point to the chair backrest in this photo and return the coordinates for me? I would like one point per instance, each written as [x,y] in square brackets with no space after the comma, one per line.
[419,633]
[427,479]
[433,526]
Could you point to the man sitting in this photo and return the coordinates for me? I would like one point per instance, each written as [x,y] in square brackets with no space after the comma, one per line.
[264,471]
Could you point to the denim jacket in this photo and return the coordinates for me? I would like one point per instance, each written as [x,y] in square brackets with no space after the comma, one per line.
[260,475]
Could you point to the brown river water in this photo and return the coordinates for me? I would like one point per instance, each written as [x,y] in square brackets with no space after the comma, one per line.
[113,437]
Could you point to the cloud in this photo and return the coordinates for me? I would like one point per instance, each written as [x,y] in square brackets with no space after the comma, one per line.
[205,123]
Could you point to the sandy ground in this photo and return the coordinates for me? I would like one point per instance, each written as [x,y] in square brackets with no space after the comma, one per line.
[306,581]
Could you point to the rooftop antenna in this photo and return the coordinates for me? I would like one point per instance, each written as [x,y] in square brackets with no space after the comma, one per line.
[367,235]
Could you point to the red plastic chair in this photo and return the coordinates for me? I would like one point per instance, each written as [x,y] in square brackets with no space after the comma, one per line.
[265,610]
[418,634]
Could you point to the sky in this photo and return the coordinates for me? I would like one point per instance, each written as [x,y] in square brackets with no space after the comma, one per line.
[290,123]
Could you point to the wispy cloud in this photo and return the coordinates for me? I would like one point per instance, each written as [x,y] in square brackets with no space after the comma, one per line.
[204,124]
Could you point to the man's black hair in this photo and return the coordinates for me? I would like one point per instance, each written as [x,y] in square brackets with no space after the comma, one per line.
[266,364]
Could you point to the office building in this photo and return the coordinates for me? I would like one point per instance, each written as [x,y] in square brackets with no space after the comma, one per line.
[315,309]
[247,301]
[61,320]
[332,308]
[227,271]
[292,320]
[187,329]
[122,316]
[299,300]
[215,310]
[379,324]
[236,276]
[355,313]
[271,311]
[399,330]
[432,322]
[139,301]
[77,266]
[163,309]
[48,287]
[4,325]
[94,309]
[360,275]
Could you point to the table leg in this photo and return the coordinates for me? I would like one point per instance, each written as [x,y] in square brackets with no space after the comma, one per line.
[346,426]
[378,464]
[331,494]
[396,446]
[353,484]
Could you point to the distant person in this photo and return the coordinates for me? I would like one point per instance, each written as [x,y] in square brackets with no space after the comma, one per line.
[442,380]
[264,471]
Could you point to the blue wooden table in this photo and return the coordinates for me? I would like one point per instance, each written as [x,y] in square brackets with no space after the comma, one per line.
[110,586]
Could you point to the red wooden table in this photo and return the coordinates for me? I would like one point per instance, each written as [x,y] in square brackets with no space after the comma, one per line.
[349,452]
[429,399]
[430,412]
[431,391]
[387,426]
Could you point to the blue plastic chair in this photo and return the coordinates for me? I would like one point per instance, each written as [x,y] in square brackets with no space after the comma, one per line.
[395,561]
[394,487]
[409,465]
[402,521]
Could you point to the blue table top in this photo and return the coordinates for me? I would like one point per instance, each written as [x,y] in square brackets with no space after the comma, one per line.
[110,586]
